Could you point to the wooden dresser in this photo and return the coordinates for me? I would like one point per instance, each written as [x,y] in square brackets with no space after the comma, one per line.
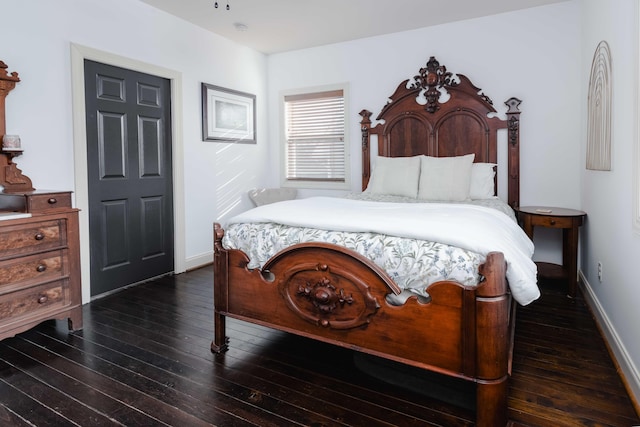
[39,261]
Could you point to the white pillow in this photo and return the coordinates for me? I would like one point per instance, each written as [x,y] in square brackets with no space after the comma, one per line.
[395,175]
[265,196]
[445,178]
[482,181]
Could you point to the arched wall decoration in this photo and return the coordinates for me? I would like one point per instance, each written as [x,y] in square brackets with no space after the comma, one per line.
[599,110]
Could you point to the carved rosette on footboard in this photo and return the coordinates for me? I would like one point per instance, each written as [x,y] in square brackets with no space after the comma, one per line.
[329,295]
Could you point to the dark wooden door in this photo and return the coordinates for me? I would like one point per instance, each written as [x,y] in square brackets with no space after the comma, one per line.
[130,176]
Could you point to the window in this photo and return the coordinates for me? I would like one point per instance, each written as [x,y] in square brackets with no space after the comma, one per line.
[315,143]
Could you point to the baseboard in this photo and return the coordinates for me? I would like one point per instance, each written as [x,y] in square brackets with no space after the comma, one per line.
[199,260]
[626,367]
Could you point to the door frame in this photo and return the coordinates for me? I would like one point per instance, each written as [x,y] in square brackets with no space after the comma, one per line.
[78,54]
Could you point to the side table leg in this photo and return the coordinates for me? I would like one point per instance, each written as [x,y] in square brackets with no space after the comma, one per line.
[570,258]
[527,226]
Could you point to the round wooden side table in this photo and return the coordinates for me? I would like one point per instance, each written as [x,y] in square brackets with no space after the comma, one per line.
[569,220]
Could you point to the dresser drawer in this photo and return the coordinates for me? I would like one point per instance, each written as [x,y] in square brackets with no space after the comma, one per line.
[33,269]
[31,301]
[38,201]
[43,202]
[32,237]
[551,221]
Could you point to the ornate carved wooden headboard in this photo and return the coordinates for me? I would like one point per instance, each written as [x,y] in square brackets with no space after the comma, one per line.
[441,114]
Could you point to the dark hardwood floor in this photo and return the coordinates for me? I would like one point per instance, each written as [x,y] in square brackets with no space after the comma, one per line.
[143,359]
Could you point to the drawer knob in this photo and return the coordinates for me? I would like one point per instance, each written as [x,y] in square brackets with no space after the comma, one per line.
[42,299]
[52,201]
[39,236]
[41,267]
[553,222]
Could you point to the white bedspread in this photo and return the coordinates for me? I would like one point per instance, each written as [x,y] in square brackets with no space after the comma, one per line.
[470,227]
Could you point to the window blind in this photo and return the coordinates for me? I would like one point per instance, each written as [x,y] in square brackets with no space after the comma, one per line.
[315,148]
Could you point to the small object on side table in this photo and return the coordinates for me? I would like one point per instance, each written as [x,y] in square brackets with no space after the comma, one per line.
[11,143]
[569,220]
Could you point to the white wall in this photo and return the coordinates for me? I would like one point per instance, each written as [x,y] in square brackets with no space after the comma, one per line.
[37,37]
[533,55]
[607,196]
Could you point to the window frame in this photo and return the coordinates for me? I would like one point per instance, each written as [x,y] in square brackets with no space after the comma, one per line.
[315,184]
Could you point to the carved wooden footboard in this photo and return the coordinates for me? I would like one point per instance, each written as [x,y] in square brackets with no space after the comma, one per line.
[332,294]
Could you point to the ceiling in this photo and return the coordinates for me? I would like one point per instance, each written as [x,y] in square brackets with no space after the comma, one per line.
[273,26]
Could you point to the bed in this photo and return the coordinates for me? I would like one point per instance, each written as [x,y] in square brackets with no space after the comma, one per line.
[329,291]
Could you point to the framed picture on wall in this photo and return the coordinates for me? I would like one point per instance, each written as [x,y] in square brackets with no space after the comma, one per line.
[228,115]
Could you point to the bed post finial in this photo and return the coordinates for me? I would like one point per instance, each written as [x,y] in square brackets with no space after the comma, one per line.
[513,125]
[513,115]
[218,234]
[365,125]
